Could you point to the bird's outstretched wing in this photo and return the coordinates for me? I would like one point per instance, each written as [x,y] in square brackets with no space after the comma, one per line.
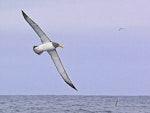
[36,28]
[55,57]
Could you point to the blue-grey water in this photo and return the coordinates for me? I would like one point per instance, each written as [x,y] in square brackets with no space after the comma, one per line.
[74,104]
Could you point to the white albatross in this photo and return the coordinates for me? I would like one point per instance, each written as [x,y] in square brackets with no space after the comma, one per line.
[50,47]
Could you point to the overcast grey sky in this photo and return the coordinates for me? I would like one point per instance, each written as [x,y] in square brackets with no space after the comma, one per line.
[99,59]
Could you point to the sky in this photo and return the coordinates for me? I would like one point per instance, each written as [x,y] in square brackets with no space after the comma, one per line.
[99,59]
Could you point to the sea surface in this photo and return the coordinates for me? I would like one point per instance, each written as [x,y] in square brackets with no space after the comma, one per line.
[74,104]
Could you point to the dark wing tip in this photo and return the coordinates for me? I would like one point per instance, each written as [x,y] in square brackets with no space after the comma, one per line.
[70,84]
[24,15]
[74,87]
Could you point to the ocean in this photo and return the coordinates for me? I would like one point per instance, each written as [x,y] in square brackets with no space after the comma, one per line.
[74,104]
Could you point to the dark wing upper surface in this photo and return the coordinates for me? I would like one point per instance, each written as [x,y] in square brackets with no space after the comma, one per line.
[55,57]
[36,28]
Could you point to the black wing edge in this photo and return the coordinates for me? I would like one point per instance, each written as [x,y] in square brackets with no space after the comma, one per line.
[24,15]
[70,84]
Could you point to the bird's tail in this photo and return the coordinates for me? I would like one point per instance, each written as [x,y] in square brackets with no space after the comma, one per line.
[37,51]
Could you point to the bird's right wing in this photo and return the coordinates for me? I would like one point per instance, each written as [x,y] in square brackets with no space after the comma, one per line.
[36,28]
[55,57]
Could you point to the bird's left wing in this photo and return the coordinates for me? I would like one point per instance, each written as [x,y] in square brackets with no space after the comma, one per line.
[36,28]
[55,57]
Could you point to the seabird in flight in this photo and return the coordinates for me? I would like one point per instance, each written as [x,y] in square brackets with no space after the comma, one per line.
[121,29]
[50,47]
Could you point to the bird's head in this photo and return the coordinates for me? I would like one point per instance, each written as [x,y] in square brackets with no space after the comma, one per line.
[55,44]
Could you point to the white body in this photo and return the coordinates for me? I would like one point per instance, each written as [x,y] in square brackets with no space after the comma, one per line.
[44,47]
